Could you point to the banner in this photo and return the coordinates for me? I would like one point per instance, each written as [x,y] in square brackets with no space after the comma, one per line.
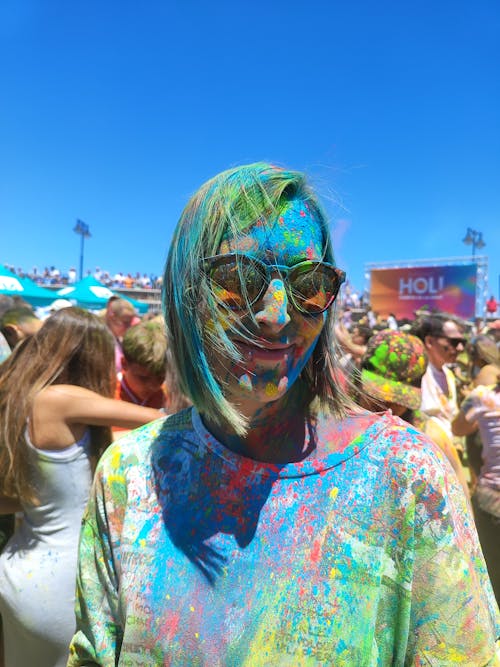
[451,289]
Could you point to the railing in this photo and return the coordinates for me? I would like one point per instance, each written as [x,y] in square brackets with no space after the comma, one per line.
[150,296]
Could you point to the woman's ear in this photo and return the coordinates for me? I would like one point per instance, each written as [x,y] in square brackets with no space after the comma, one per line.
[428,341]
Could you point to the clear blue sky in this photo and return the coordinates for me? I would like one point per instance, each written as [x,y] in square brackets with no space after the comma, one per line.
[115,112]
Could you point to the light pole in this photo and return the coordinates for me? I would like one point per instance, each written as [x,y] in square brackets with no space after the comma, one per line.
[475,239]
[83,229]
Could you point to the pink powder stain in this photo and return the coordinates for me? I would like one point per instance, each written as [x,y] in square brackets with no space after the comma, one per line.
[316,552]
[170,625]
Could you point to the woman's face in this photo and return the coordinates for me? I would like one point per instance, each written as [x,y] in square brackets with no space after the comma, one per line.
[283,339]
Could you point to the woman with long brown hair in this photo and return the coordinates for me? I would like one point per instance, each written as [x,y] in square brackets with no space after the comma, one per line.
[55,416]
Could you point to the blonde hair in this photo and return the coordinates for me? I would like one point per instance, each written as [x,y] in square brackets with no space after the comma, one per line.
[118,306]
[230,203]
[146,344]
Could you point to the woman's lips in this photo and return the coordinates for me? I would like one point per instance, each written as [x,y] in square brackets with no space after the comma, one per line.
[268,351]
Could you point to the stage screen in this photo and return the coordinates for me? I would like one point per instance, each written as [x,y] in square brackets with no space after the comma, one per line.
[403,291]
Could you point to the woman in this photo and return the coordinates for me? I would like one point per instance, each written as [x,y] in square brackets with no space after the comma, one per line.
[480,413]
[271,524]
[482,369]
[484,360]
[55,414]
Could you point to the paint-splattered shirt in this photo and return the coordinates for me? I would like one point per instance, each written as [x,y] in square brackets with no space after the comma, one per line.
[364,555]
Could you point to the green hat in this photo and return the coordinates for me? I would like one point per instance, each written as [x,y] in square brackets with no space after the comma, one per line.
[392,368]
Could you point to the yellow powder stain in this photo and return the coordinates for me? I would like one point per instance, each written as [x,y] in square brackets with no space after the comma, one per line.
[197,634]
[335,572]
[115,459]
[271,389]
[142,543]
[167,596]
[266,645]
[210,326]
[334,493]
[120,479]
[279,295]
[191,608]
[452,654]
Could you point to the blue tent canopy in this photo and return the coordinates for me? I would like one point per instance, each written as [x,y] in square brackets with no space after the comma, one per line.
[92,294]
[12,285]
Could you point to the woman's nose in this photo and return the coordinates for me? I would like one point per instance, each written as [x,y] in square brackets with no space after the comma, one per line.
[273,307]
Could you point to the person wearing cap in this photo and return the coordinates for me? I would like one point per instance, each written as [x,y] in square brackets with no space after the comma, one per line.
[391,373]
[391,370]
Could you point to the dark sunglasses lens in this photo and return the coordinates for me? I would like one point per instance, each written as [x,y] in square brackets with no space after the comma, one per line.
[456,341]
[315,288]
[236,283]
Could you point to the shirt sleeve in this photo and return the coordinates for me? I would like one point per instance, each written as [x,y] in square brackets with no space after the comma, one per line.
[454,615]
[98,636]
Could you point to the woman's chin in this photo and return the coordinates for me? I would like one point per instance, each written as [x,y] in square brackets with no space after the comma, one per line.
[257,390]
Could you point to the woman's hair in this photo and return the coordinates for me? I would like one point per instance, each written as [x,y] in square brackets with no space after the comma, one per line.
[72,347]
[482,348]
[229,204]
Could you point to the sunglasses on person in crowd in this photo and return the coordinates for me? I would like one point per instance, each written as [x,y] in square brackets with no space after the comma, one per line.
[454,341]
[239,281]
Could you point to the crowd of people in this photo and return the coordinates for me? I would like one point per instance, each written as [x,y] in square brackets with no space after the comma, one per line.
[54,276]
[310,483]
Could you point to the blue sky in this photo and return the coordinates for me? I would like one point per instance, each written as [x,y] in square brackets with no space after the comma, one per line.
[115,112]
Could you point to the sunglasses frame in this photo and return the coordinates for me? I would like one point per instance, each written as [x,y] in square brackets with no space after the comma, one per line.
[210,263]
[455,342]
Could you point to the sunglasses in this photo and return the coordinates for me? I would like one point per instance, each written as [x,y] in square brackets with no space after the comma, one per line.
[238,281]
[455,342]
